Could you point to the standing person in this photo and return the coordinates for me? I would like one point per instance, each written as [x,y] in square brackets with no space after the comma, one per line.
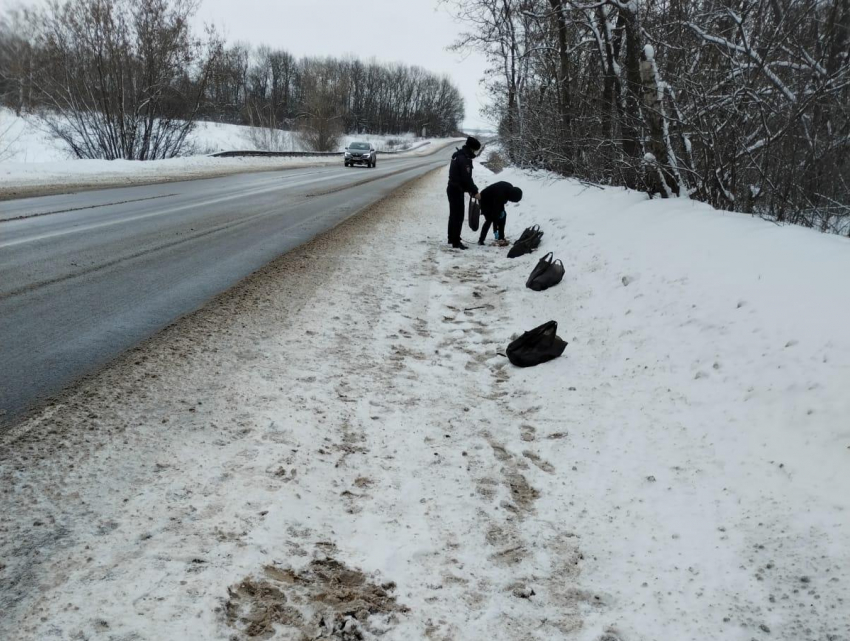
[493,200]
[460,183]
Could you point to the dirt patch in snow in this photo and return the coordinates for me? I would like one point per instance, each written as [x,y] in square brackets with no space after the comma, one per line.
[539,462]
[325,600]
[521,491]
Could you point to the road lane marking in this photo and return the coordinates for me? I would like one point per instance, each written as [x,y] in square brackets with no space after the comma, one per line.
[62,211]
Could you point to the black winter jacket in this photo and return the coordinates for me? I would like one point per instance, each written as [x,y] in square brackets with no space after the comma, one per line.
[494,198]
[460,171]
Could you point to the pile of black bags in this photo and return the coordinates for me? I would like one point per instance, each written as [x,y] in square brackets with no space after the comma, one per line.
[542,343]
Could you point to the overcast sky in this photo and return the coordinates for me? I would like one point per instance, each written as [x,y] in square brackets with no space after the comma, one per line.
[416,32]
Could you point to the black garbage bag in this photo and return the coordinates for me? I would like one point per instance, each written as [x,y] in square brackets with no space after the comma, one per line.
[474,214]
[536,346]
[527,242]
[547,273]
[528,233]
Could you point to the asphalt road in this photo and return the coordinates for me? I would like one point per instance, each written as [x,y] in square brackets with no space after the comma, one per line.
[85,276]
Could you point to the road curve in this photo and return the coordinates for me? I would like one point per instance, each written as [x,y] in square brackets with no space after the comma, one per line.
[85,276]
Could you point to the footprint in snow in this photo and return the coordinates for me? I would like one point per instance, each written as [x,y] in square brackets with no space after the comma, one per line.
[528,433]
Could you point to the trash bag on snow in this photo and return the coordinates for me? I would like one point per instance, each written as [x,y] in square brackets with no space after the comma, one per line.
[547,273]
[529,232]
[474,214]
[536,346]
[527,242]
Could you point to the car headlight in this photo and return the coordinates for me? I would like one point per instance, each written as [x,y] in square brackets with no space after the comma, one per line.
[348,154]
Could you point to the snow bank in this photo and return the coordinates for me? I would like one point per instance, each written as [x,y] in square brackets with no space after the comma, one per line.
[704,391]
[211,137]
[73,173]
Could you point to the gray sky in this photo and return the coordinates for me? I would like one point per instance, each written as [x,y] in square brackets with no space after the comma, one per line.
[415,32]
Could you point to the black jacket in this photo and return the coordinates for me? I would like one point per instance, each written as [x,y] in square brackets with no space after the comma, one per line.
[494,198]
[460,171]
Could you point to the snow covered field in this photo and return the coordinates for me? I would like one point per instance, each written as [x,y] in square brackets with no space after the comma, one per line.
[22,140]
[31,162]
[338,444]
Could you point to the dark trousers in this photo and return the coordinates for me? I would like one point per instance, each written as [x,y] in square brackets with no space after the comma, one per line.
[456,207]
[498,222]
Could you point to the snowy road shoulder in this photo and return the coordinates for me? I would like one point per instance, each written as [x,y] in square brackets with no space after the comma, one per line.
[337,446]
[25,180]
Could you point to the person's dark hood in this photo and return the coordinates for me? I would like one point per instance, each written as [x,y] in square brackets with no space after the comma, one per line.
[466,151]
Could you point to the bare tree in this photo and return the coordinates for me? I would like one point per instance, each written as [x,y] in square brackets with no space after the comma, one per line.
[121,78]
[16,60]
[323,98]
[320,123]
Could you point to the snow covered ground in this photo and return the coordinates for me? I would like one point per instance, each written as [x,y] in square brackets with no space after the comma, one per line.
[337,443]
[23,140]
[212,137]
[31,162]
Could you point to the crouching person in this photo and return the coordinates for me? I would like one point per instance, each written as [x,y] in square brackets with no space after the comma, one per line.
[493,201]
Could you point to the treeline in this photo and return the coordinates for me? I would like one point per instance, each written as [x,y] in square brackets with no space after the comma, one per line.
[271,87]
[744,104]
[129,79]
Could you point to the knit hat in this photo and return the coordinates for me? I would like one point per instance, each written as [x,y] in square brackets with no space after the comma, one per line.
[515,195]
[473,143]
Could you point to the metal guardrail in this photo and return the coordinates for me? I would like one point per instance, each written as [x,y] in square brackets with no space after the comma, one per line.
[404,151]
[272,154]
[304,154]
